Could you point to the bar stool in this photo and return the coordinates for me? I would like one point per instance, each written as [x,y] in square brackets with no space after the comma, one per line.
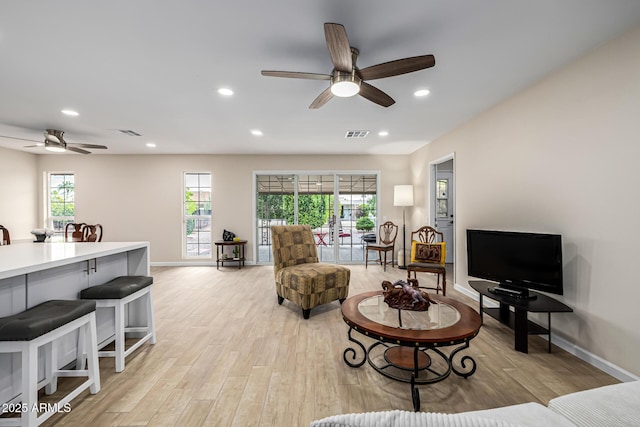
[117,294]
[40,326]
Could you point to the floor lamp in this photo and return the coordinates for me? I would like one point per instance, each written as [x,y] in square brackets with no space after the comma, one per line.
[403,196]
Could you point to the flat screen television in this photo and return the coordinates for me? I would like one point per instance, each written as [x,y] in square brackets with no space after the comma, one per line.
[517,261]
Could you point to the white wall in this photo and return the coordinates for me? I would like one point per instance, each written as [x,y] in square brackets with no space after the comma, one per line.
[562,157]
[559,157]
[18,194]
[139,197]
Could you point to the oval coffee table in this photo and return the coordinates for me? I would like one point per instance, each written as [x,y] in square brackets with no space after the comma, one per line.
[407,343]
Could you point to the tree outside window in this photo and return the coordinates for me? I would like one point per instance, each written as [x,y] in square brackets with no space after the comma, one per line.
[61,201]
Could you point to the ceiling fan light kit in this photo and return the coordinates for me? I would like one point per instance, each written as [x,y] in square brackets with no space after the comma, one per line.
[53,147]
[347,79]
[345,85]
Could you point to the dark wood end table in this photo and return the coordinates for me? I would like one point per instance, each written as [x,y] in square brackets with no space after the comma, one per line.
[221,244]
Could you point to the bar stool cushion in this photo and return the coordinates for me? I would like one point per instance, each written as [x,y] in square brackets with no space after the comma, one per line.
[43,318]
[117,288]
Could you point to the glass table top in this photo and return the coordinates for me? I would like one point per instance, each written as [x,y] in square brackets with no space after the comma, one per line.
[438,316]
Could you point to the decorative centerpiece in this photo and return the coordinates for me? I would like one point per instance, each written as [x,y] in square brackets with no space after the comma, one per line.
[406,296]
[41,234]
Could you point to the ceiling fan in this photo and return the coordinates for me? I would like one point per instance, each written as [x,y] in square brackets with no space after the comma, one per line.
[346,78]
[54,141]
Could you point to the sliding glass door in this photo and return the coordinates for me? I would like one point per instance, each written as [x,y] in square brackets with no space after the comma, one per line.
[340,209]
[357,215]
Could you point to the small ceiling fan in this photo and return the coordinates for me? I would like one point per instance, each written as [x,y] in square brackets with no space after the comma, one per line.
[54,141]
[346,78]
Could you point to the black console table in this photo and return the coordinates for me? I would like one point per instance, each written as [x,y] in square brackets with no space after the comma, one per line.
[517,320]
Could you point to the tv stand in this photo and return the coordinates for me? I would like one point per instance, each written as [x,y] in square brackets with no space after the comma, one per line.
[517,320]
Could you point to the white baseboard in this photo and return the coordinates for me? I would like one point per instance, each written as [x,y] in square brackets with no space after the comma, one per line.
[596,361]
[193,264]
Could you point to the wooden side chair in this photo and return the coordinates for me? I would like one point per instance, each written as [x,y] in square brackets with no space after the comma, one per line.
[81,232]
[92,233]
[428,255]
[5,239]
[387,234]
[77,232]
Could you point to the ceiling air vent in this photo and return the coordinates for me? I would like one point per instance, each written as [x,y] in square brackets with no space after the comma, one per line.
[129,132]
[351,134]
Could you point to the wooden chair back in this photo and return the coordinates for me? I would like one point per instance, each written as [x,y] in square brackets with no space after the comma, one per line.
[77,232]
[427,234]
[92,233]
[387,233]
[5,238]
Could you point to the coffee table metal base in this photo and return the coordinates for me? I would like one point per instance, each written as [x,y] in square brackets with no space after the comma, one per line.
[417,365]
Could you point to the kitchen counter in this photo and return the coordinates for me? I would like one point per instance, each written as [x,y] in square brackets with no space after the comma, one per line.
[32,273]
[24,258]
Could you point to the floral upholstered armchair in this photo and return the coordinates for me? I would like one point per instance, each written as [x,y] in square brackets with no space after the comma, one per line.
[300,278]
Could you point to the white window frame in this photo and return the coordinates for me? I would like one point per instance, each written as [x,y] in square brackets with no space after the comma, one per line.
[186,218]
[48,218]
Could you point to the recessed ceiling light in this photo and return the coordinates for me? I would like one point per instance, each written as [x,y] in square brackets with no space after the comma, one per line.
[151,145]
[383,133]
[422,92]
[225,91]
[70,113]
[256,132]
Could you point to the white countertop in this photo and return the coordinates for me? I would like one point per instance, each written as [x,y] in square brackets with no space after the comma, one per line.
[24,258]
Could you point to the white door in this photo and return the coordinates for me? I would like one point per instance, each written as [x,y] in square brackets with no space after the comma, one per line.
[444,209]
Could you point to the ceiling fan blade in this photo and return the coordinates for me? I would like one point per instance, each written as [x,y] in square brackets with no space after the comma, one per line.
[94,146]
[397,67]
[296,75]
[77,150]
[374,94]
[339,47]
[322,99]
[20,139]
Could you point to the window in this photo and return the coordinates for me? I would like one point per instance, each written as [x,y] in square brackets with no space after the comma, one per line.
[197,215]
[60,201]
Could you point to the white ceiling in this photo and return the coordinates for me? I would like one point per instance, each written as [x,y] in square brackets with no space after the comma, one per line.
[154,67]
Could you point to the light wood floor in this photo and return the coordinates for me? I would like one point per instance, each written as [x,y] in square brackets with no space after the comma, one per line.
[229,355]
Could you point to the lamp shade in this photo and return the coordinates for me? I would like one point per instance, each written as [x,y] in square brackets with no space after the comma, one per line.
[403,195]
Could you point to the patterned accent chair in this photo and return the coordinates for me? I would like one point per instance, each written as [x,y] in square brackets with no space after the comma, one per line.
[299,276]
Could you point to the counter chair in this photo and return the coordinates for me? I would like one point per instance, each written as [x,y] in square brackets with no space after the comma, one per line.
[387,234]
[428,255]
[41,326]
[299,277]
[117,294]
